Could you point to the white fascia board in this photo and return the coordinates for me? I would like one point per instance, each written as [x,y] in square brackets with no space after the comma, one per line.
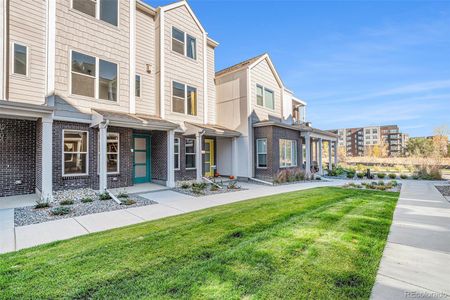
[132,49]
[161,65]
[299,100]
[183,3]
[51,47]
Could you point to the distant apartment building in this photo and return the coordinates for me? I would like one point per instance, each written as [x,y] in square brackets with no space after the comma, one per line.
[359,141]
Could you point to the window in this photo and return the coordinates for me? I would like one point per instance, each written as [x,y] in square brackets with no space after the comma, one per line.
[105,10]
[265,97]
[75,147]
[138,86]
[261,153]
[107,86]
[183,43]
[177,41]
[20,59]
[176,152]
[191,47]
[190,153]
[269,99]
[288,153]
[86,81]
[112,152]
[184,99]
[259,95]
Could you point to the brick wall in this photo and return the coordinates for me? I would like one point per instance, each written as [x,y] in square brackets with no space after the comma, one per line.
[159,155]
[183,174]
[39,155]
[17,157]
[91,180]
[273,135]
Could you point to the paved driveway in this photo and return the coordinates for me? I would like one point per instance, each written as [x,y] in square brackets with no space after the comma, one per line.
[416,260]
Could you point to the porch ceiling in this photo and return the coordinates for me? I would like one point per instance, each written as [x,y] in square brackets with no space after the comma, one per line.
[210,130]
[137,121]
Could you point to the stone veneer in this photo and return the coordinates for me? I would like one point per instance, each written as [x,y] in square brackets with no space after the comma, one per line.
[17,157]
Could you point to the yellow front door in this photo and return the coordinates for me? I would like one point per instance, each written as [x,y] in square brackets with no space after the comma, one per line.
[209,158]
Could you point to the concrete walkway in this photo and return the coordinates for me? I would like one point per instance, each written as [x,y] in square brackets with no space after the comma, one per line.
[416,259]
[170,203]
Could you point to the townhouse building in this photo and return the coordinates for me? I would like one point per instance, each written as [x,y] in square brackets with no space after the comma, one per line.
[107,93]
[359,141]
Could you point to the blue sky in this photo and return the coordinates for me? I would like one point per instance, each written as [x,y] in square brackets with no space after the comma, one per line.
[356,63]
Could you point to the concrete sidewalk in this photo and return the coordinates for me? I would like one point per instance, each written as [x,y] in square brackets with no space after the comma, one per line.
[416,259]
[170,203]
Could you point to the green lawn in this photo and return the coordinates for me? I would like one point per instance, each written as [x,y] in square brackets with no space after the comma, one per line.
[321,243]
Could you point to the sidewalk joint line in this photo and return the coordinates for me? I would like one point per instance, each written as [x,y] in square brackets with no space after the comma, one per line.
[82,225]
[126,210]
[413,284]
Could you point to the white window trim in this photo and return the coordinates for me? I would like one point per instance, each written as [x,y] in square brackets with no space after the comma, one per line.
[27,67]
[258,153]
[292,143]
[96,78]
[87,154]
[118,153]
[140,86]
[177,142]
[264,97]
[185,99]
[185,43]
[191,153]
[97,13]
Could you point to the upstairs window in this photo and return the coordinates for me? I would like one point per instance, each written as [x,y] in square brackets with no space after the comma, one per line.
[184,43]
[184,99]
[105,10]
[137,86]
[20,59]
[265,97]
[93,77]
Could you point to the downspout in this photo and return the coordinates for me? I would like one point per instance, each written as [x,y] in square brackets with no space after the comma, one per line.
[199,137]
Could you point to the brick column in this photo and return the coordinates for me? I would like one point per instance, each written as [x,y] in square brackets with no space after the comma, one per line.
[308,154]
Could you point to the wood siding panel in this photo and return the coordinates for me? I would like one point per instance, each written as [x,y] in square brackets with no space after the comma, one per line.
[211,86]
[262,74]
[83,33]
[145,54]
[181,68]
[27,26]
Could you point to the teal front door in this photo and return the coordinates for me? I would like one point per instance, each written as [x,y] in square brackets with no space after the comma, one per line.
[141,158]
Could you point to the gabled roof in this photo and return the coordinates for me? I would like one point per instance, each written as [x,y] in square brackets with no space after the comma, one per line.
[240,65]
[250,63]
[179,4]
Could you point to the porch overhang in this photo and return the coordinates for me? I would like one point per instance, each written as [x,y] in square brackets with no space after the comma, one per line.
[303,129]
[20,110]
[135,121]
[210,130]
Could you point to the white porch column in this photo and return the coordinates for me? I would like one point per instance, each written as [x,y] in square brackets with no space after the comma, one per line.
[234,157]
[198,156]
[335,153]
[170,159]
[47,159]
[308,154]
[103,185]
[319,154]
[330,156]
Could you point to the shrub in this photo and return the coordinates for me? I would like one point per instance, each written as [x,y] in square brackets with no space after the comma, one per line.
[66,202]
[415,177]
[87,200]
[380,182]
[41,204]
[128,201]
[185,185]
[233,186]
[360,175]
[104,196]
[350,174]
[59,211]
[392,176]
[403,176]
[381,175]
[213,188]
[122,195]
[198,187]
[336,171]
[393,183]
